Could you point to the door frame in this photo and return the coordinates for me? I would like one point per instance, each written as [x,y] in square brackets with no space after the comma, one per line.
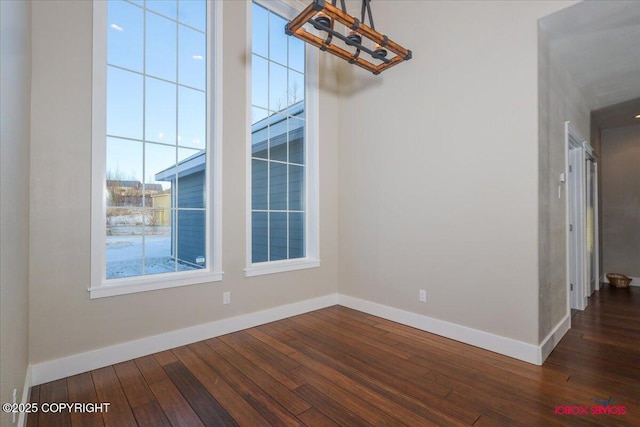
[592,180]
[577,151]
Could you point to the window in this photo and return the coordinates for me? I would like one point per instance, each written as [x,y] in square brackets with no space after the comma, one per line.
[282,224]
[154,201]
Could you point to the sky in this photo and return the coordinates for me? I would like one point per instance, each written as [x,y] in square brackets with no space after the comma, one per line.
[167,107]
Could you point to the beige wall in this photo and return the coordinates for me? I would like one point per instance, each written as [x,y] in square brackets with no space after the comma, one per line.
[63,320]
[439,167]
[15,68]
[559,101]
[621,200]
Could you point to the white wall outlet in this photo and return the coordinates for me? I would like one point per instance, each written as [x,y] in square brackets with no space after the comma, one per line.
[422,295]
[226,297]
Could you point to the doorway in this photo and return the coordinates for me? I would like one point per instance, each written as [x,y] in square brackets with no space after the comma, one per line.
[582,219]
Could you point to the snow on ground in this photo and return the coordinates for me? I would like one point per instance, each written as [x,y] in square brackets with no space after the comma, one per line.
[124,253]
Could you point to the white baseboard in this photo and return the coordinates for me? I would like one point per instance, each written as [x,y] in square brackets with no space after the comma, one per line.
[635,281]
[71,365]
[60,368]
[554,337]
[509,347]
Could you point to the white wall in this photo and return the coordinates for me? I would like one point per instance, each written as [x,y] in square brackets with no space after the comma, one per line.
[63,320]
[439,167]
[15,69]
[559,101]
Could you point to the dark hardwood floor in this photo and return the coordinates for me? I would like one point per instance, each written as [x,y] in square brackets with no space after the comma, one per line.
[338,366]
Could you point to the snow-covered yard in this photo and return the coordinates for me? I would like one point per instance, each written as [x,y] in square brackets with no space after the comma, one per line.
[125,252]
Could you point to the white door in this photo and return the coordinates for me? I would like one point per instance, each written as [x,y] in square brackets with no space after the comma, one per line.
[576,258]
[581,201]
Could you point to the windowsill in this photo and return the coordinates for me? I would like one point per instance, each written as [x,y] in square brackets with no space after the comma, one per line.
[152,283]
[280,266]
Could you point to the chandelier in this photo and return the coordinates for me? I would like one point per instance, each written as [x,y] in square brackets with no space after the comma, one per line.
[325,16]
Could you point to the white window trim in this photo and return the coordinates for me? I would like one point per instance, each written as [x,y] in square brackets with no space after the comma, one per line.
[289,9]
[100,287]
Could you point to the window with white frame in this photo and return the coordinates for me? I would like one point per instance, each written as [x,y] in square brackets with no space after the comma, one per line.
[283,183]
[153,157]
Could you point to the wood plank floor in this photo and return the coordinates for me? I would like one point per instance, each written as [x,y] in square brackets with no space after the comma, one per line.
[338,366]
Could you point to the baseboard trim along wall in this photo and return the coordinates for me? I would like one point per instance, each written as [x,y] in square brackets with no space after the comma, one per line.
[506,346]
[60,368]
[554,337]
[83,362]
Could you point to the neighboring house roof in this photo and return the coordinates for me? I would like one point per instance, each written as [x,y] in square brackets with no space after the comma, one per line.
[190,165]
[275,123]
[274,127]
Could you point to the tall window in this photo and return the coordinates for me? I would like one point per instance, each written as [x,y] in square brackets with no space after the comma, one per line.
[152,140]
[279,144]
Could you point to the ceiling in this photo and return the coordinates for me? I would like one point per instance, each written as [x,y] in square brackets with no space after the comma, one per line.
[600,44]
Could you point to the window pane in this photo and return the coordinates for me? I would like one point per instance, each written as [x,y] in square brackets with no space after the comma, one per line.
[124,242]
[159,166]
[124,103]
[277,87]
[260,30]
[192,58]
[296,87]
[124,172]
[259,237]
[125,35]
[259,84]
[259,184]
[277,39]
[258,114]
[296,54]
[191,237]
[165,7]
[160,109]
[161,47]
[158,253]
[192,118]
[277,236]
[260,141]
[193,13]
[191,187]
[296,141]
[278,138]
[296,188]
[296,235]
[277,186]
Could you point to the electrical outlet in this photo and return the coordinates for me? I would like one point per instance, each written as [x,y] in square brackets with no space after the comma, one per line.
[422,296]
[226,297]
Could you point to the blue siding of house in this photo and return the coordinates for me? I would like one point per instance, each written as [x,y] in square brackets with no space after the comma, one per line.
[191,223]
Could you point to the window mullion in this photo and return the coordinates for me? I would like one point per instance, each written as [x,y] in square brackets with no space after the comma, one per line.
[144,132]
